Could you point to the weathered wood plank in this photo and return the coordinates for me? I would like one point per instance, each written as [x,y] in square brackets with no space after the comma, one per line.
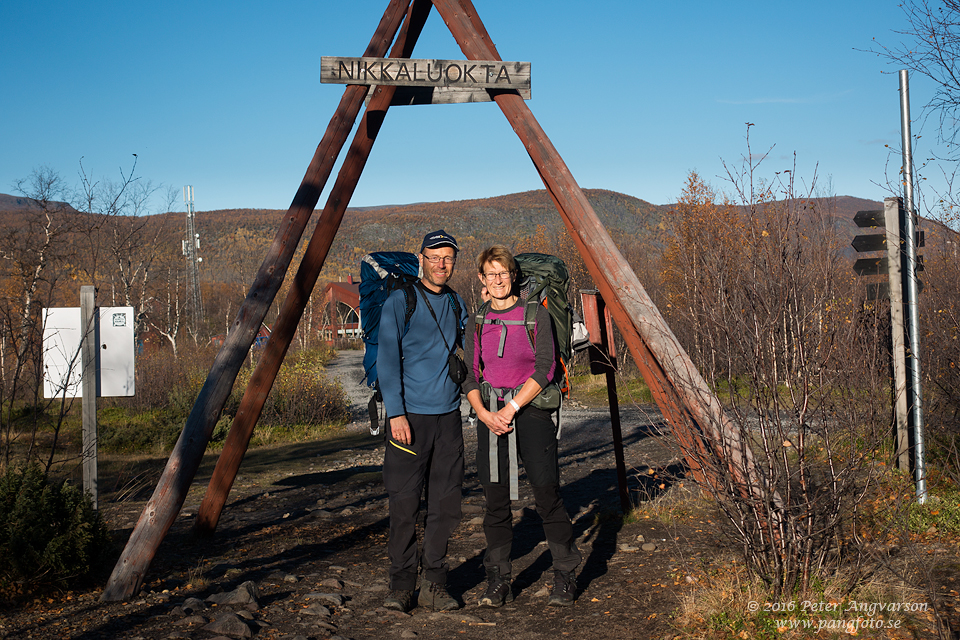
[406,72]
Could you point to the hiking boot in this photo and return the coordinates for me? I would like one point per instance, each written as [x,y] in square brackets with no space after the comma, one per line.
[399,600]
[564,589]
[433,595]
[498,590]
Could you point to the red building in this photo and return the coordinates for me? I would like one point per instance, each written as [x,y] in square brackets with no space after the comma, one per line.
[342,304]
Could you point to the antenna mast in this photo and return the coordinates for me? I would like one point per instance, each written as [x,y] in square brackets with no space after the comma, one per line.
[191,246]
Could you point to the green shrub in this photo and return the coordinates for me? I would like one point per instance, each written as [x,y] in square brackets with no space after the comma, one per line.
[50,533]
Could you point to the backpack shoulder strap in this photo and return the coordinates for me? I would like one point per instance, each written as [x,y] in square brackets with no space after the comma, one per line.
[530,318]
[458,311]
[410,298]
[481,317]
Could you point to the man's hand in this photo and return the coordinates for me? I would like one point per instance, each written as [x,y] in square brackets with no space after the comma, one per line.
[400,430]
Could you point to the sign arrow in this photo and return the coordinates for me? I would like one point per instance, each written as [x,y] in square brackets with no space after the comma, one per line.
[874,242]
[869,219]
[870,266]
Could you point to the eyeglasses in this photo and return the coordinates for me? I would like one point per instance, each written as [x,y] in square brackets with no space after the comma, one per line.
[502,275]
[439,259]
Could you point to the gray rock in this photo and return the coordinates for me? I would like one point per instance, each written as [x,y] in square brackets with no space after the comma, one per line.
[281,576]
[230,625]
[316,609]
[189,620]
[333,583]
[648,546]
[333,598]
[246,593]
[193,605]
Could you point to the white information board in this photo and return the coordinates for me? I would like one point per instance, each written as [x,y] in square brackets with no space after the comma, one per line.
[115,352]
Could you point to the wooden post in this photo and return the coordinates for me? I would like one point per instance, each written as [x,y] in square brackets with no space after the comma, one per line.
[88,386]
[265,373]
[162,508]
[891,225]
[603,359]
[693,407]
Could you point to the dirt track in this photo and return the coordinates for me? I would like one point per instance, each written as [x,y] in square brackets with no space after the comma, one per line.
[310,519]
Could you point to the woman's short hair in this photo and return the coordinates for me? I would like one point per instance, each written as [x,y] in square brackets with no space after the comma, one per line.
[497,253]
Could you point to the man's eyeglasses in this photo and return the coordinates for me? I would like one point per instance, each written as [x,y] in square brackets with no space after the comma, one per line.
[502,275]
[438,259]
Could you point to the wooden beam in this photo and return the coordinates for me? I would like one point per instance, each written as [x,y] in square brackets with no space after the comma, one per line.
[162,508]
[405,96]
[698,413]
[265,373]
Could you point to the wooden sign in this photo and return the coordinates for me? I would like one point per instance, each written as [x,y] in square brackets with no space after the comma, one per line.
[431,81]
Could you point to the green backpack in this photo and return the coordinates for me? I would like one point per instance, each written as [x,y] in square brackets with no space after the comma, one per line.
[544,280]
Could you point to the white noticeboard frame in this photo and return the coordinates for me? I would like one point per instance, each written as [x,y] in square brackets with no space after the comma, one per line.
[62,335]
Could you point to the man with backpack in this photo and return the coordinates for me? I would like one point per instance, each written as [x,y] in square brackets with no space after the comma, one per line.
[421,396]
[512,369]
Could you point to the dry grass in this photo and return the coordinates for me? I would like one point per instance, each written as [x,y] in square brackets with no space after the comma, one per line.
[728,601]
[724,600]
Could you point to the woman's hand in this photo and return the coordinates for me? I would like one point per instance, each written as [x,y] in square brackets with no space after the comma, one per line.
[496,422]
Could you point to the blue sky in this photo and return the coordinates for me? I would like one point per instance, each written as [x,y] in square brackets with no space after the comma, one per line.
[634,94]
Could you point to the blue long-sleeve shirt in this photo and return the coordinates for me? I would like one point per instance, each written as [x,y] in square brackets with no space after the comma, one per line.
[413,377]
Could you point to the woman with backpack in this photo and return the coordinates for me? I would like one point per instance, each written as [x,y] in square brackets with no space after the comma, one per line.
[509,366]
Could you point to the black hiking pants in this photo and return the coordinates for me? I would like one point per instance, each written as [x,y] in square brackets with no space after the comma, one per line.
[434,461]
[538,451]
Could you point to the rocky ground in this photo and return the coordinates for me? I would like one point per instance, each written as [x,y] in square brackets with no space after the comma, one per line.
[300,551]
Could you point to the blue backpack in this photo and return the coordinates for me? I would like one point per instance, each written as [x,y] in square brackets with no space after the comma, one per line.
[380,274]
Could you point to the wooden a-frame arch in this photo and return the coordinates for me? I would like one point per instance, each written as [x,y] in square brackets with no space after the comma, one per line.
[694,413]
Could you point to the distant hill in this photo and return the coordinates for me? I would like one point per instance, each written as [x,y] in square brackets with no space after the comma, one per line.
[230,238]
[19,203]
[234,241]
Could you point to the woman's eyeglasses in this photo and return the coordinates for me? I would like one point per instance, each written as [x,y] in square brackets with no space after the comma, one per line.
[502,275]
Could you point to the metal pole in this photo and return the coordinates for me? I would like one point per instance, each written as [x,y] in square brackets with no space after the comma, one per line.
[911,302]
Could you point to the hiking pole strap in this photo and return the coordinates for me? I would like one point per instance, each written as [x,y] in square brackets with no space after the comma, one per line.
[372,411]
[494,446]
[559,417]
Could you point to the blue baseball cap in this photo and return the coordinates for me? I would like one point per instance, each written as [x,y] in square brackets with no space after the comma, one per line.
[439,238]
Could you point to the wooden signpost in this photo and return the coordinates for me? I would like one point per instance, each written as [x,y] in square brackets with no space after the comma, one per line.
[603,359]
[888,221]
